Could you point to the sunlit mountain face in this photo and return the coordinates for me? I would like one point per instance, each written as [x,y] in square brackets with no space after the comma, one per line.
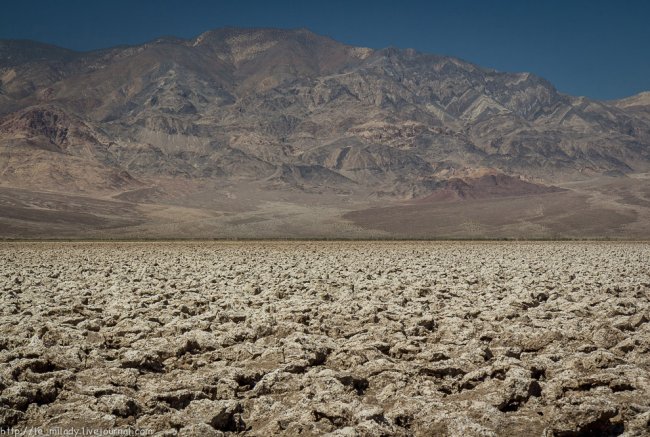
[241,129]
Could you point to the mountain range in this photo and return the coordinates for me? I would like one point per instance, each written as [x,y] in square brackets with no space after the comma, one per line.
[286,133]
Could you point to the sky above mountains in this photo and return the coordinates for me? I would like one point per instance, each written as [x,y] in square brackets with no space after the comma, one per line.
[594,48]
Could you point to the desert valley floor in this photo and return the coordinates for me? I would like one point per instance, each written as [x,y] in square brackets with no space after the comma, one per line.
[311,338]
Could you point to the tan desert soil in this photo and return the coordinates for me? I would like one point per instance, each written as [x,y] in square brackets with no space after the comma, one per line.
[311,338]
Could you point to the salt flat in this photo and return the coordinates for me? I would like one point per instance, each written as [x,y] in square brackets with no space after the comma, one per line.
[310,338]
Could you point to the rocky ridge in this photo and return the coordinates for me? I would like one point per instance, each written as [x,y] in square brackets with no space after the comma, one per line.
[253,104]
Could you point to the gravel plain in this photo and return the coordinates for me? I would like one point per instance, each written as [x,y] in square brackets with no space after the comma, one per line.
[338,338]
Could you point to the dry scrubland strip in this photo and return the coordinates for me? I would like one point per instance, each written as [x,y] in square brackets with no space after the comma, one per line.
[309,337]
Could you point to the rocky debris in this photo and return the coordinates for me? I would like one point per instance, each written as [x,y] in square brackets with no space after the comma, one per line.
[220,415]
[593,417]
[476,339]
[9,417]
[119,405]
[141,360]
[518,387]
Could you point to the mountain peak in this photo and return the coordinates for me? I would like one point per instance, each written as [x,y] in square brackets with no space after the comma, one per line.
[641,99]
[232,34]
[278,52]
[20,51]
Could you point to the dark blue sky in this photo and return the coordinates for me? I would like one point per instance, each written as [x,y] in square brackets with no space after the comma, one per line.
[596,48]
